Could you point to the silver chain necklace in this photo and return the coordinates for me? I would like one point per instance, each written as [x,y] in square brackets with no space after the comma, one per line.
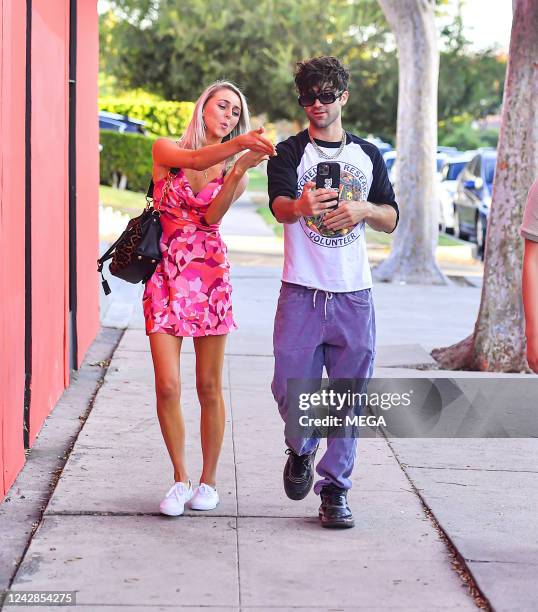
[322,153]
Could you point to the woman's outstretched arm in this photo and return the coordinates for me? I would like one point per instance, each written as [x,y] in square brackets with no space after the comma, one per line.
[234,184]
[167,153]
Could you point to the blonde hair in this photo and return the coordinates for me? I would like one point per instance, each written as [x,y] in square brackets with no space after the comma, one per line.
[194,136]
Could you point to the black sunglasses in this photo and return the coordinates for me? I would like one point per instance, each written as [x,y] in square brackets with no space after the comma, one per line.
[325,97]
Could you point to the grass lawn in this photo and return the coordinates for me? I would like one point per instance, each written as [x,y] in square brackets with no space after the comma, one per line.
[372,237]
[129,202]
[132,201]
[267,216]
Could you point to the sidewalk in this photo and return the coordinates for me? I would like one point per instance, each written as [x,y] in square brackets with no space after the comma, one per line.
[102,534]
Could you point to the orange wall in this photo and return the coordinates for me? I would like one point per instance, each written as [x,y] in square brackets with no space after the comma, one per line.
[87,175]
[12,153]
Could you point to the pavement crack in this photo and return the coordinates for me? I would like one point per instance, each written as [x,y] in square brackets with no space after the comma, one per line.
[458,562]
[466,469]
[106,343]
[459,484]
[229,376]
[524,563]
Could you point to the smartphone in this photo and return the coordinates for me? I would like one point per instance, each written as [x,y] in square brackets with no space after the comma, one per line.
[328,177]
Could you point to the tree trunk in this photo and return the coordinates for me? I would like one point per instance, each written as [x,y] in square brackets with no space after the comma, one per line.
[412,258]
[498,342]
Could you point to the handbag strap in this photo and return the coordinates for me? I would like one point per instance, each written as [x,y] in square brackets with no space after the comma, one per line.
[149,194]
[109,253]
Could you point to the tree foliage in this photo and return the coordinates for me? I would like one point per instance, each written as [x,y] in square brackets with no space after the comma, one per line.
[176,49]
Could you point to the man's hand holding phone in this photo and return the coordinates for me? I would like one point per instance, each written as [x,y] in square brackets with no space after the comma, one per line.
[347,215]
[314,201]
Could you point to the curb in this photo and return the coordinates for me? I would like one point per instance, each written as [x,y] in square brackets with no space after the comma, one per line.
[20,514]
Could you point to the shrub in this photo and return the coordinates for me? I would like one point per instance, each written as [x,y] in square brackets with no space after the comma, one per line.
[162,117]
[126,154]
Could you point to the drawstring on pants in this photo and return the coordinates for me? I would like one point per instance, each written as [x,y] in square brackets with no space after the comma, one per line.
[328,296]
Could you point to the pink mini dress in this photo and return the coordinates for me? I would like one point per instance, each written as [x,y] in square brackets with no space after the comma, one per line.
[189,294]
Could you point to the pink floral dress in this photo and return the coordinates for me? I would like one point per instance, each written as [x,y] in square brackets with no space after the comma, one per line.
[189,294]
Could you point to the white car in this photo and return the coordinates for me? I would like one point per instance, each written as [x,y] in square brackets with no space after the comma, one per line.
[392,164]
[447,189]
[390,158]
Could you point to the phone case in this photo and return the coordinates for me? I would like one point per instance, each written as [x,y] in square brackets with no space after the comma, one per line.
[328,177]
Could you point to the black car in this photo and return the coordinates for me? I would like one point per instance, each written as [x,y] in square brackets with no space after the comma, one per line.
[472,199]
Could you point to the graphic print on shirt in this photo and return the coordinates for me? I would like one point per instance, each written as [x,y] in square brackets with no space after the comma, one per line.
[353,186]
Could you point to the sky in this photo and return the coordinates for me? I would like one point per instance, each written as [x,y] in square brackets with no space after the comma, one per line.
[487,22]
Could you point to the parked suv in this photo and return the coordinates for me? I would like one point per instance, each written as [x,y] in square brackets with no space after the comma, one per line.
[472,200]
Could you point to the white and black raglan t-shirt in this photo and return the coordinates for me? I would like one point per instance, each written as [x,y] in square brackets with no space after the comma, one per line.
[315,256]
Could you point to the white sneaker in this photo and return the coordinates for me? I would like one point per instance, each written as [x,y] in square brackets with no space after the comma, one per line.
[204,498]
[174,502]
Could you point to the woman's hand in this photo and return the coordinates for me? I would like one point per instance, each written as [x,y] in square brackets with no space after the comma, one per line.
[254,141]
[248,160]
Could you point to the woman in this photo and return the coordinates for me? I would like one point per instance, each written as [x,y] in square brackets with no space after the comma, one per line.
[190,293]
[529,231]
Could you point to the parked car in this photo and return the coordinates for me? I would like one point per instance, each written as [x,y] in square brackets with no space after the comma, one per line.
[440,160]
[472,200]
[392,164]
[121,123]
[390,158]
[379,143]
[448,150]
[450,171]
[111,124]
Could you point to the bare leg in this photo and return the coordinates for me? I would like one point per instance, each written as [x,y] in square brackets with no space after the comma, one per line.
[209,362]
[165,351]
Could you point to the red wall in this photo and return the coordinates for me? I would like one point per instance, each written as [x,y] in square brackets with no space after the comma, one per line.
[12,176]
[50,239]
[49,180]
[87,175]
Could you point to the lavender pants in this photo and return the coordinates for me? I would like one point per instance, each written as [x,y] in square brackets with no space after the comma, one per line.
[316,328]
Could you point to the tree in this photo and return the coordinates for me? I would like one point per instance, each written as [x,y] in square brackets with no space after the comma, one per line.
[498,341]
[412,258]
[175,52]
[470,83]
[176,49]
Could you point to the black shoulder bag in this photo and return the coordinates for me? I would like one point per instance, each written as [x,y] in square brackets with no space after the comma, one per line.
[136,253]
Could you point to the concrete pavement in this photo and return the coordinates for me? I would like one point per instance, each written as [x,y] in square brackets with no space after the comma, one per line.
[442,524]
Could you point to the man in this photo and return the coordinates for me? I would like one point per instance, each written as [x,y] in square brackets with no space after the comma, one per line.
[325,257]
[529,231]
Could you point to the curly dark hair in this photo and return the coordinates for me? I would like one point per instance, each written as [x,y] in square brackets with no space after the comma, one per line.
[318,71]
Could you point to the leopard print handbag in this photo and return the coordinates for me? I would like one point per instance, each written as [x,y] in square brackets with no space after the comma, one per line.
[136,253]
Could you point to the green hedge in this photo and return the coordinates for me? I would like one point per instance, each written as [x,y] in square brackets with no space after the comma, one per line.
[128,154]
[162,117]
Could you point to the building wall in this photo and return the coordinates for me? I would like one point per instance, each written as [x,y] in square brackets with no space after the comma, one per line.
[49,217]
[88,286]
[12,210]
[37,344]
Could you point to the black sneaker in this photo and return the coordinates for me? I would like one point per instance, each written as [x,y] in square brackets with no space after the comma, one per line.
[334,510]
[299,474]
